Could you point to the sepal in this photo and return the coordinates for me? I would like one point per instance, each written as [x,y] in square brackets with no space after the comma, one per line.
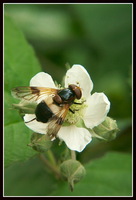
[106,130]
[40,143]
[72,171]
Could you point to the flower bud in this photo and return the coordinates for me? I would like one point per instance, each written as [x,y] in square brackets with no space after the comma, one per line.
[72,171]
[107,129]
[40,143]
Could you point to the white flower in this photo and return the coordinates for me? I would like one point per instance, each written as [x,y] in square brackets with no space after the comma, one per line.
[93,109]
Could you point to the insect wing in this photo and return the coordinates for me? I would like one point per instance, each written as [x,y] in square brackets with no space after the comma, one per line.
[57,121]
[32,93]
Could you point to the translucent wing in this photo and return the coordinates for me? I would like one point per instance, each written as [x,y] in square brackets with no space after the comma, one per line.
[33,93]
[57,120]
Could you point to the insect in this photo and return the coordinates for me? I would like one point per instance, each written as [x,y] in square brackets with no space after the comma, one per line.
[53,104]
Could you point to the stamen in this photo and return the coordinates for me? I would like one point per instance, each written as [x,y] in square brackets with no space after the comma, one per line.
[76,111]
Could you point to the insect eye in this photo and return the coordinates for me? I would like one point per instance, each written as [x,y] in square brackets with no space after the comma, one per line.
[78,93]
[57,99]
[76,90]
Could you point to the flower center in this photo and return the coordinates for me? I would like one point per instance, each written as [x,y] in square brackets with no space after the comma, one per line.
[76,111]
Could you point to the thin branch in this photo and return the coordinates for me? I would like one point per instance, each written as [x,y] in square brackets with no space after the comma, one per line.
[52,167]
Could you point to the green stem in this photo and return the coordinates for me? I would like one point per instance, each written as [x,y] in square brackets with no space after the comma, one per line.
[51,157]
[73,155]
[52,167]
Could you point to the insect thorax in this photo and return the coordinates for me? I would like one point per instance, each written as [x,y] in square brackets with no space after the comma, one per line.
[67,95]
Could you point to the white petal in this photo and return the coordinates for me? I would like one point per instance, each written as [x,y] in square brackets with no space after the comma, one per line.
[75,138]
[96,112]
[79,76]
[42,79]
[34,125]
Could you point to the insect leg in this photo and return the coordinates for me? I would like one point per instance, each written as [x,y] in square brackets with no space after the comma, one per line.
[79,103]
[31,120]
[73,111]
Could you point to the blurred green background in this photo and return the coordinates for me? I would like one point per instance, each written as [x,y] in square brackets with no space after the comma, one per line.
[97,36]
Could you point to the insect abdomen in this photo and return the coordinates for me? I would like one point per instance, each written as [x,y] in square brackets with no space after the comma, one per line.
[43,112]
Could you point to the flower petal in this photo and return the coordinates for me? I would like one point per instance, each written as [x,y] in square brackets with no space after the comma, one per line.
[96,112]
[34,125]
[75,138]
[78,75]
[42,79]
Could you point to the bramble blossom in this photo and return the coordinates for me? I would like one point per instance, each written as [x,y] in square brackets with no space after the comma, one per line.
[76,131]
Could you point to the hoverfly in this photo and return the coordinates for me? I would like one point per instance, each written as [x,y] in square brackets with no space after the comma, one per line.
[53,104]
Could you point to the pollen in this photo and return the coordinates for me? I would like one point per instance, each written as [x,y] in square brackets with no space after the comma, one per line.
[76,111]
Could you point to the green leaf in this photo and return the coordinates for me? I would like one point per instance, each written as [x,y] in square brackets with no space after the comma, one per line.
[17,137]
[29,178]
[109,176]
[20,65]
